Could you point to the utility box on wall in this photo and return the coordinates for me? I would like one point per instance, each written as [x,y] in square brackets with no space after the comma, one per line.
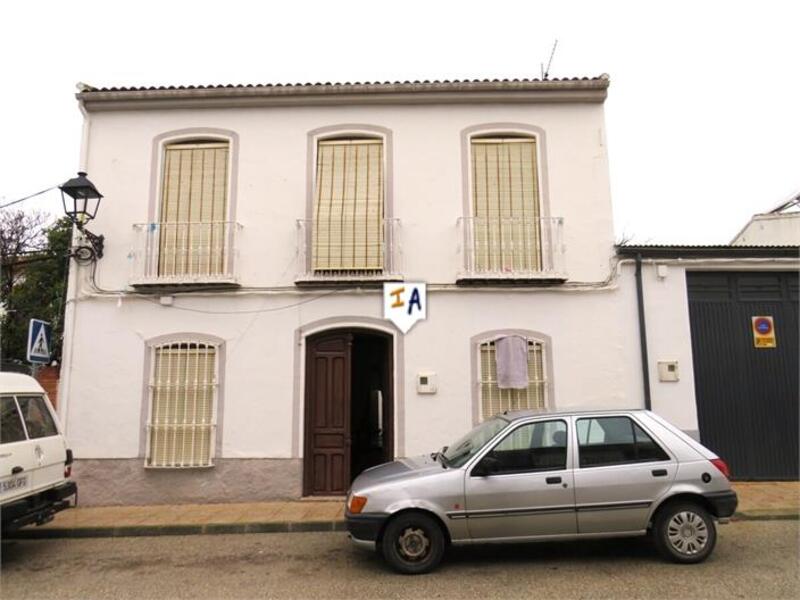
[427,382]
[668,370]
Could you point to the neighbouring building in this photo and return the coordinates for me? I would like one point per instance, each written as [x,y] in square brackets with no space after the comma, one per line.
[780,226]
[230,345]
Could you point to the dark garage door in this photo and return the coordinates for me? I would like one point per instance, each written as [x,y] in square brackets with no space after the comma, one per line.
[747,397]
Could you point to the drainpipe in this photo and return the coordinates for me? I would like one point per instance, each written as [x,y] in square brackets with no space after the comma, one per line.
[642,333]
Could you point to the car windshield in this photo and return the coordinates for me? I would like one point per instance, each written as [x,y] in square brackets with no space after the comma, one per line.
[466,447]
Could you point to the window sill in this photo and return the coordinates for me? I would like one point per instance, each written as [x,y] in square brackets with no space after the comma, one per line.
[346,280]
[511,279]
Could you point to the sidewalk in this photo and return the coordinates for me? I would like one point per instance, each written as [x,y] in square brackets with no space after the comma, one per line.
[757,500]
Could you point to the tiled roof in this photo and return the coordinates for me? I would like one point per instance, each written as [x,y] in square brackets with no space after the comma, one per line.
[578,89]
[394,85]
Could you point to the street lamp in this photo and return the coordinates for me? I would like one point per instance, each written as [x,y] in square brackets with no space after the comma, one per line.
[82,208]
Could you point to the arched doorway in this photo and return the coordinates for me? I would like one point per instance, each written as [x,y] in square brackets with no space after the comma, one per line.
[349,407]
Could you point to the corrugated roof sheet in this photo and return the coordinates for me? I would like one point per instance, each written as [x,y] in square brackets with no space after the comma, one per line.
[708,251]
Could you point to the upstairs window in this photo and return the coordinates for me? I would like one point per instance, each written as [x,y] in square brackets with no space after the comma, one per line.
[194,209]
[506,227]
[348,228]
[183,390]
[495,400]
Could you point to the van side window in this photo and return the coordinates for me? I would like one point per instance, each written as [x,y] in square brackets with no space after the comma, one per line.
[614,441]
[11,429]
[38,420]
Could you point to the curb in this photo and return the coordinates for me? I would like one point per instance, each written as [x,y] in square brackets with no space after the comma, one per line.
[238,528]
[154,530]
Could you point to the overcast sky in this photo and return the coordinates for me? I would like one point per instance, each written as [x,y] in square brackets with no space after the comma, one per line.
[702,115]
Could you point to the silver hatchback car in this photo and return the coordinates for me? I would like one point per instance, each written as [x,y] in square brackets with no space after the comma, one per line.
[531,476]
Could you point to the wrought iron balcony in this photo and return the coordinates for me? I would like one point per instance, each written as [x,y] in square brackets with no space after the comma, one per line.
[348,252]
[512,248]
[185,253]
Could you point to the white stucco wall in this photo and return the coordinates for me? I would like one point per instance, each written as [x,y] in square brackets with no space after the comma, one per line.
[427,191]
[594,332]
[594,354]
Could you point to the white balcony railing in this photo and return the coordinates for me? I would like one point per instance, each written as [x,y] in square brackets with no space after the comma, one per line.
[348,252]
[185,253]
[513,248]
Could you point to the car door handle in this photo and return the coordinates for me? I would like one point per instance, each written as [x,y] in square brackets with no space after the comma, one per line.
[16,470]
[552,480]
[659,472]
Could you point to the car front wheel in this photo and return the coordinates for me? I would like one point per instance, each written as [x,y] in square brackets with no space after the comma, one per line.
[413,543]
[685,532]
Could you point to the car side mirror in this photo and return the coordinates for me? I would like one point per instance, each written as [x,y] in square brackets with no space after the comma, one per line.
[488,466]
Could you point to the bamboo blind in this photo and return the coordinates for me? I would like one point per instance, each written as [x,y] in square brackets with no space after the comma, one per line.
[348,232]
[505,200]
[194,207]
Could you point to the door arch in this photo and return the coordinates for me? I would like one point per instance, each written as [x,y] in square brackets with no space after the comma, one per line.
[349,407]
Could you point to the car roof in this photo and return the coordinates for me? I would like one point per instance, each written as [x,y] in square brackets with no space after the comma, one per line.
[17,383]
[516,415]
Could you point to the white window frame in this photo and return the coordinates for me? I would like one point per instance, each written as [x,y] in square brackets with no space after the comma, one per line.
[152,350]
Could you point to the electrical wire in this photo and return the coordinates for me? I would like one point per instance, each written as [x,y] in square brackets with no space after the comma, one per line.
[249,312]
[7,204]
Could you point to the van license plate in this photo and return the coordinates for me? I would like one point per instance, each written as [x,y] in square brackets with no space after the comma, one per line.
[15,483]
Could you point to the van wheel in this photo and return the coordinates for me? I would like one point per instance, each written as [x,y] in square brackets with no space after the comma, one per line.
[684,532]
[413,543]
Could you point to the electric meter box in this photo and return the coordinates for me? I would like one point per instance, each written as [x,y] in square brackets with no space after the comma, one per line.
[668,370]
[427,382]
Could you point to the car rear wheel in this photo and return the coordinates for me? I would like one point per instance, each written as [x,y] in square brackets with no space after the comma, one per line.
[413,543]
[685,532]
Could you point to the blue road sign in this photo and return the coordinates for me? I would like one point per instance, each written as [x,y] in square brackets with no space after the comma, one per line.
[40,340]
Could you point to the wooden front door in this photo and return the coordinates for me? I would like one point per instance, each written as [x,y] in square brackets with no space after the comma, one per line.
[327,443]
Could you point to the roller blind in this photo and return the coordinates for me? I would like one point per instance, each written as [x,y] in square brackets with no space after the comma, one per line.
[495,400]
[505,201]
[194,207]
[182,393]
[348,231]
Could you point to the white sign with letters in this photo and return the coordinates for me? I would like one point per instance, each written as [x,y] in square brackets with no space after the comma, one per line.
[404,303]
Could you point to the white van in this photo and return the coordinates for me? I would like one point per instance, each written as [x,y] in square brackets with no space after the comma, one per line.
[34,458]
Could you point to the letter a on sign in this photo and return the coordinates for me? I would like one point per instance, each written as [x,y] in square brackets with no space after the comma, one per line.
[404,303]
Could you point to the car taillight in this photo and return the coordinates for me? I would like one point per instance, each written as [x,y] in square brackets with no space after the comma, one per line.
[67,471]
[722,466]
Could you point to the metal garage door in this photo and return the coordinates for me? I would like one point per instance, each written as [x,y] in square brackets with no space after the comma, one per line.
[747,397]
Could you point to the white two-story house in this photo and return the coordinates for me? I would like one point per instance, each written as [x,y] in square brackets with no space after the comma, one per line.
[230,344]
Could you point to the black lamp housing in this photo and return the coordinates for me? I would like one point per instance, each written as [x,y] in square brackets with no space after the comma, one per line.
[80,210]
[85,199]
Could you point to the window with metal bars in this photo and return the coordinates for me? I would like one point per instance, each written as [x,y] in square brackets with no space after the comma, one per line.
[183,393]
[506,217]
[349,227]
[495,400]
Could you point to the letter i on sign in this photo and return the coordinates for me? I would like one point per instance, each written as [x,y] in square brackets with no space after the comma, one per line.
[404,304]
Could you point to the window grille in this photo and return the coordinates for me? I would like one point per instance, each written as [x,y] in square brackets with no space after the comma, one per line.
[495,400]
[183,390]
[194,205]
[348,230]
[505,204]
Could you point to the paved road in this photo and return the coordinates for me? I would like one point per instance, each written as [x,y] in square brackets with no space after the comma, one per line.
[752,560]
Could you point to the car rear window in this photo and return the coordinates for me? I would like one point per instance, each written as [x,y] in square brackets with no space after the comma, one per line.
[38,420]
[11,429]
[613,441]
